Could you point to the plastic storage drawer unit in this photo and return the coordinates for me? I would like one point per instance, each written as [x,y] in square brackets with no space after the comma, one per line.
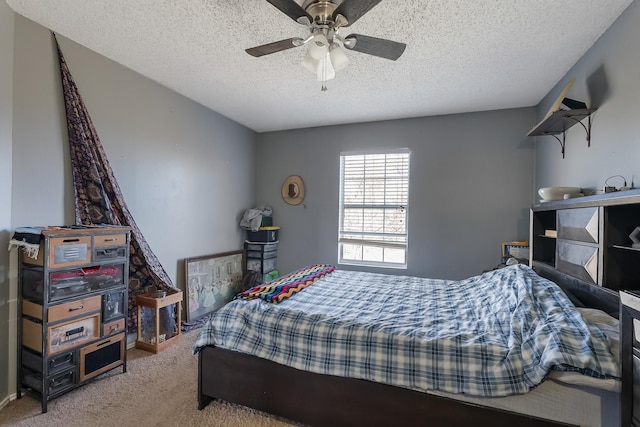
[264,234]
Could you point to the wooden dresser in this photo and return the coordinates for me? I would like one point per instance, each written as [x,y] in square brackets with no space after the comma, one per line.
[73,308]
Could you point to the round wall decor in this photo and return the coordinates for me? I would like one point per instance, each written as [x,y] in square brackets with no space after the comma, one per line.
[293,190]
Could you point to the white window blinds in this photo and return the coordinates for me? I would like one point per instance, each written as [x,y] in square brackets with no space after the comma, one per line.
[374,198]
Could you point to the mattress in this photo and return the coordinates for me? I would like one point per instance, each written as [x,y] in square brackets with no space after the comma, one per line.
[491,335]
[584,406]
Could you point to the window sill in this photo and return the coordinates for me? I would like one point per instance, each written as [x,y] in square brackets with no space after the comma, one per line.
[373,264]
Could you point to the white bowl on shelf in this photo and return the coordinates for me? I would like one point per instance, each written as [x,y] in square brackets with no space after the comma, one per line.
[556,193]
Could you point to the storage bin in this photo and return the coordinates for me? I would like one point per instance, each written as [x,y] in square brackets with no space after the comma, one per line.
[61,336]
[258,254]
[102,356]
[113,305]
[261,247]
[158,320]
[55,384]
[272,275]
[78,281]
[264,234]
[261,265]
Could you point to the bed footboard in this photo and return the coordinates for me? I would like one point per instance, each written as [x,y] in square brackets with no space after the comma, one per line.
[324,400]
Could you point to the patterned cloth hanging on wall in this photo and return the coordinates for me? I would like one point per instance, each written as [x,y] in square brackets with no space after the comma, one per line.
[98,198]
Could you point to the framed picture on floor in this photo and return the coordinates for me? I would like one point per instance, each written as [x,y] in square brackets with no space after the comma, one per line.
[212,281]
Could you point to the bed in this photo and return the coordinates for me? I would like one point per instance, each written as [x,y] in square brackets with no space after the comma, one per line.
[289,349]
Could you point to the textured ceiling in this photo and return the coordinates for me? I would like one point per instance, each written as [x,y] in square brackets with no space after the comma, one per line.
[461,56]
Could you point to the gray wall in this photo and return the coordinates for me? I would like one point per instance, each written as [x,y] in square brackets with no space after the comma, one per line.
[607,78]
[470,188]
[186,172]
[7,298]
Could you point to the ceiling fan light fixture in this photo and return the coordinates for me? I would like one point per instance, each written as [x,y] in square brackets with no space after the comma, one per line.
[325,66]
[326,70]
[310,63]
[319,47]
[338,56]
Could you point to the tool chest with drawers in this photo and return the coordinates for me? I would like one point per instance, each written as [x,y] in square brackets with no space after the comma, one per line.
[73,292]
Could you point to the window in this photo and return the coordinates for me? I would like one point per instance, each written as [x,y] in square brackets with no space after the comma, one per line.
[374,197]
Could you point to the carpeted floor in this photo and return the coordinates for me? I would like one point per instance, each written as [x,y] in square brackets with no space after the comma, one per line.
[156,390]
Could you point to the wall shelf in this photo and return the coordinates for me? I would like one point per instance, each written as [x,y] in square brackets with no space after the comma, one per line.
[559,121]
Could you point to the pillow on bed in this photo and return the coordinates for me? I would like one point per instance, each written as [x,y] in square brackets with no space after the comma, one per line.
[610,327]
[577,379]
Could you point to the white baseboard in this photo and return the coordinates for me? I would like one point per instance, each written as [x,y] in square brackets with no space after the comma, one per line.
[131,341]
[8,399]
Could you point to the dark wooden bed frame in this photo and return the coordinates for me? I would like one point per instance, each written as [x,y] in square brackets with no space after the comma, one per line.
[324,400]
[630,359]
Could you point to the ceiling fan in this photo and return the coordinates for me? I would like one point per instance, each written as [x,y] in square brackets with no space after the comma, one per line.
[324,19]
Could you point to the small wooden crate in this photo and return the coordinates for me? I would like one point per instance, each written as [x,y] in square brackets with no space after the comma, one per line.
[152,333]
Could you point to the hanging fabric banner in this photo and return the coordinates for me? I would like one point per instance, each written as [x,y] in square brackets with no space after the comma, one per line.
[98,199]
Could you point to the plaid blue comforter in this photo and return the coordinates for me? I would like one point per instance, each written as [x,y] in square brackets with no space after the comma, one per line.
[491,335]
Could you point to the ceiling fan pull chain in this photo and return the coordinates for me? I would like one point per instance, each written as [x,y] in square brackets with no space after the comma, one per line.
[324,75]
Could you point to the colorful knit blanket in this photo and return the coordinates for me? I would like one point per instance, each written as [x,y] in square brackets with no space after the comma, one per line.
[282,288]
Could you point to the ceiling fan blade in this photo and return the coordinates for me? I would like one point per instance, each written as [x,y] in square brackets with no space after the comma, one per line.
[374,46]
[292,9]
[269,48]
[354,9]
